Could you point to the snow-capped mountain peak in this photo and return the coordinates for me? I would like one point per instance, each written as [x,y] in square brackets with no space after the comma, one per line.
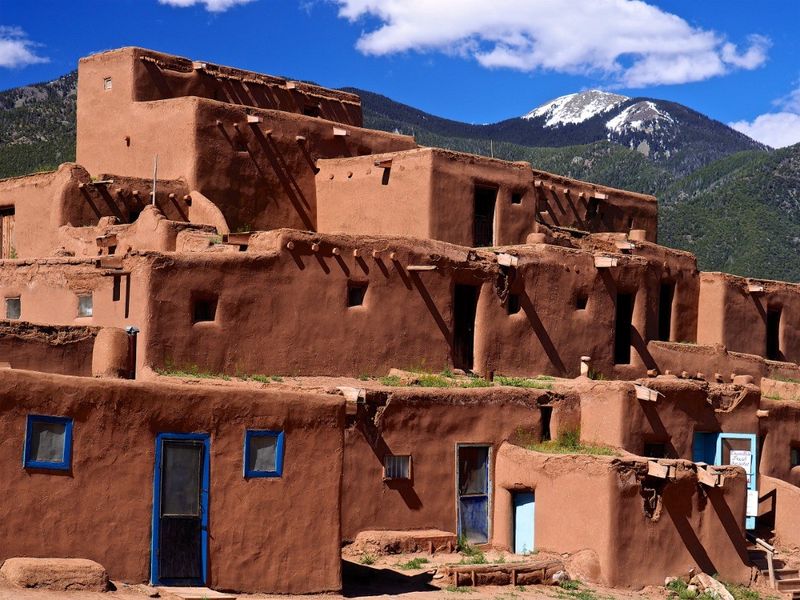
[638,117]
[576,108]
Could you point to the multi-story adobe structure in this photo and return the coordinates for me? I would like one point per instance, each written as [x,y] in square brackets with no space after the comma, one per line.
[280,238]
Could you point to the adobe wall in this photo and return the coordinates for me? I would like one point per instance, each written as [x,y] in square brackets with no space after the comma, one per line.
[611,414]
[566,202]
[780,432]
[595,504]
[706,362]
[733,316]
[309,283]
[427,424]
[358,196]
[268,178]
[159,76]
[51,348]
[44,204]
[115,424]
[551,332]
[780,507]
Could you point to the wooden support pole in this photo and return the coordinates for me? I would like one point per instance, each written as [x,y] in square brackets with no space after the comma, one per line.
[315,247]
[421,268]
[290,245]
[336,252]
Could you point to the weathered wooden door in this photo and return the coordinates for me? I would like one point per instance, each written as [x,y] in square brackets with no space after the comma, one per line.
[473,493]
[180,510]
[7,249]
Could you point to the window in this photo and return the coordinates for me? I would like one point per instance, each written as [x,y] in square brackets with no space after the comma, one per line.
[581,301]
[263,453]
[85,306]
[312,110]
[512,304]
[48,443]
[623,329]
[516,197]
[356,293]
[13,308]
[204,308]
[655,450]
[107,83]
[794,457]
[397,466]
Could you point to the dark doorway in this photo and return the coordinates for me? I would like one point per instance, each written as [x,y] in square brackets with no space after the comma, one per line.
[483,223]
[665,311]
[465,305]
[546,416]
[774,334]
[180,510]
[622,329]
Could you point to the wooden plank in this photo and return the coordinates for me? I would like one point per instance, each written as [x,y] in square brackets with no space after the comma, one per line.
[421,268]
[604,262]
[507,260]
[656,470]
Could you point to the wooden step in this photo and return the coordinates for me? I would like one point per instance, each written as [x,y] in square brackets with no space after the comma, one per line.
[788,585]
[785,573]
[194,593]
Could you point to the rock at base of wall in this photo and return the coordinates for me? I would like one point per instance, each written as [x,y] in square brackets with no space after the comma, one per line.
[57,574]
[405,542]
[712,587]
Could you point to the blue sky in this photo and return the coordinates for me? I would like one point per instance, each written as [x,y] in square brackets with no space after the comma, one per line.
[471,60]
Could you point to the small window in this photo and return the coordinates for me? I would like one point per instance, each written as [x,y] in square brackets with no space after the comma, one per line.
[85,306]
[581,301]
[204,308]
[794,457]
[312,110]
[48,443]
[356,293]
[516,197]
[655,450]
[263,453]
[512,304]
[107,83]
[13,308]
[397,466]
[116,291]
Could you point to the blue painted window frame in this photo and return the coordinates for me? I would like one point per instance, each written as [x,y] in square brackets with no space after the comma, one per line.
[63,465]
[253,433]
[204,502]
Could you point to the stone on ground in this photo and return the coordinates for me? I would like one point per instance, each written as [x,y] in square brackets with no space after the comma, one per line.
[57,574]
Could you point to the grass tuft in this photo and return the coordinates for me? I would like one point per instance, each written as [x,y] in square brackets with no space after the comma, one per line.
[569,442]
[413,564]
[367,559]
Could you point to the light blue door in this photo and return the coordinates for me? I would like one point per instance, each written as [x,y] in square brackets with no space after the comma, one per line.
[731,449]
[524,514]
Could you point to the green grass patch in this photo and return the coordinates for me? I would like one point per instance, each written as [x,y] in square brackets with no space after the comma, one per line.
[569,442]
[192,371]
[458,589]
[524,382]
[678,588]
[391,380]
[413,564]
[433,380]
[367,559]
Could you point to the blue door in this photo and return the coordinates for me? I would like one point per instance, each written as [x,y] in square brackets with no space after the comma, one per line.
[732,449]
[473,493]
[179,547]
[524,515]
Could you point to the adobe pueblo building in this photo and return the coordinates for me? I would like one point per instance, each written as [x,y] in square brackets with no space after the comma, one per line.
[241,317]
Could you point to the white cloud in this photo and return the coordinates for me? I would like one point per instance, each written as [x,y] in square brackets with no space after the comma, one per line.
[16,50]
[211,5]
[628,41]
[777,129]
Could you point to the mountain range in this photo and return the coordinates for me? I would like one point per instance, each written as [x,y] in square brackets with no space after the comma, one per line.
[732,201]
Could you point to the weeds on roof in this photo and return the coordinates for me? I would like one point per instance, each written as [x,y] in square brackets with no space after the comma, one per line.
[390,380]
[785,379]
[569,442]
[192,371]
[538,383]
[413,564]
[367,559]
